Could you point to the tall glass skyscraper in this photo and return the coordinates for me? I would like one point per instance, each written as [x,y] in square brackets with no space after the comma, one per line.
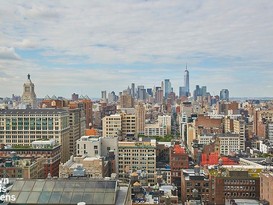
[187,82]
[224,94]
[168,87]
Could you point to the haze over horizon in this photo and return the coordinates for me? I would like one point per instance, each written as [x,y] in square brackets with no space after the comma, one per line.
[89,46]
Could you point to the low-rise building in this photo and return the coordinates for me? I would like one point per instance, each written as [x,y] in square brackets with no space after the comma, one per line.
[22,168]
[155,130]
[48,149]
[229,143]
[91,167]
[195,185]
[94,146]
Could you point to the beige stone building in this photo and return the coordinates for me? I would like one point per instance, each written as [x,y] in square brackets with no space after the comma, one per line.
[119,124]
[240,128]
[111,125]
[165,121]
[266,186]
[23,126]
[128,125]
[139,155]
[140,118]
[126,101]
[155,130]
[76,127]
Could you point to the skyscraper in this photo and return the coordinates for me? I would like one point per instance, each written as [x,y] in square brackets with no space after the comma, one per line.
[187,81]
[139,88]
[182,91]
[103,96]
[133,90]
[224,94]
[167,87]
[140,118]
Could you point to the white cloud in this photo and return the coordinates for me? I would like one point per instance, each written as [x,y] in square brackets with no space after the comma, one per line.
[26,43]
[8,54]
[237,34]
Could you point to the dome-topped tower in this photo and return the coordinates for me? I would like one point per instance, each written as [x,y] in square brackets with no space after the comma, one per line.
[29,96]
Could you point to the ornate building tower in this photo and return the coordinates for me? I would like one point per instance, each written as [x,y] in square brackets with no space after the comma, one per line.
[29,96]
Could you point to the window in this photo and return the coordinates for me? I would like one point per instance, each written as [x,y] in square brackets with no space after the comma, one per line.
[95,147]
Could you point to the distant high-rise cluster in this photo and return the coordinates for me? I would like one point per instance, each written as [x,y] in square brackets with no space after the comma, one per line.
[200,92]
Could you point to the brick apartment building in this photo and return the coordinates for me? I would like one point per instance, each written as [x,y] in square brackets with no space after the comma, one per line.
[227,184]
[45,149]
[178,160]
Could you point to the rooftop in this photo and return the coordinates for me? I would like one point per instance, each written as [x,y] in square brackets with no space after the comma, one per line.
[89,138]
[227,171]
[63,191]
[32,111]
[178,149]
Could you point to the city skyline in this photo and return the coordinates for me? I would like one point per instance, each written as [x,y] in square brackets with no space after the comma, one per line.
[88,46]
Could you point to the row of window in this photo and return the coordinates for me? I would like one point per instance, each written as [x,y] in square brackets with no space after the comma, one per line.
[136,150]
[137,162]
[239,188]
[136,154]
[239,194]
[26,136]
[199,190]
[241,181]
[197,184]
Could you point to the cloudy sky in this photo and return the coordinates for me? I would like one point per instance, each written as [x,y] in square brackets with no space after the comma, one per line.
[88,46]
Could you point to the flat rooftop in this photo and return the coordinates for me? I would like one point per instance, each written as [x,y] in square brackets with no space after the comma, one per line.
[32,111]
